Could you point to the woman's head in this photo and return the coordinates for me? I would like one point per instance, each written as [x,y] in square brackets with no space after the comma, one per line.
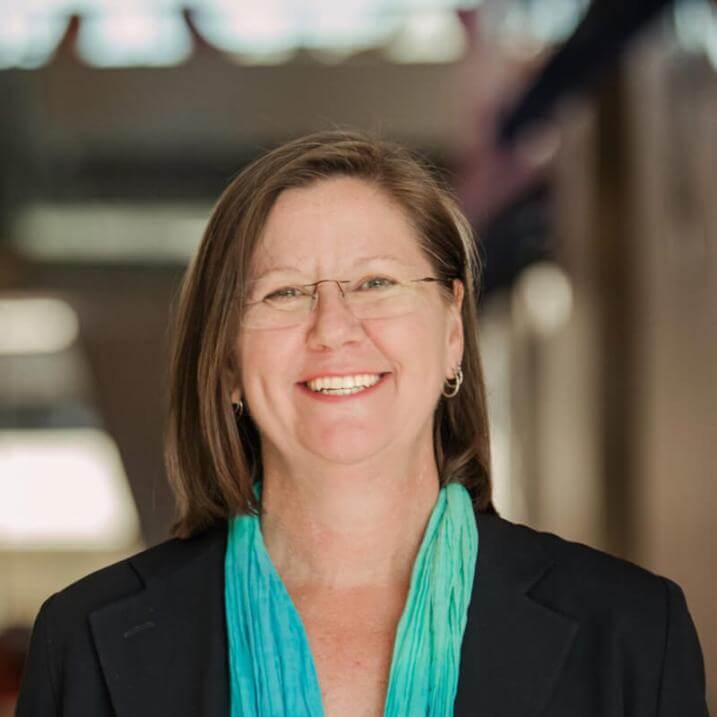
[331,206]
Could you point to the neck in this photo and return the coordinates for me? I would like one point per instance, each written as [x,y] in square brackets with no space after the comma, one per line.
[345,527]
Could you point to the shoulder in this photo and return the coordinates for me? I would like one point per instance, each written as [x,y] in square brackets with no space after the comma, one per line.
[71,605]
[581,580]
[622,614]
[596,569]
[62,663]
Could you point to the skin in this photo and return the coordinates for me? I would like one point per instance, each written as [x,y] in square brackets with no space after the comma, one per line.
[348,486]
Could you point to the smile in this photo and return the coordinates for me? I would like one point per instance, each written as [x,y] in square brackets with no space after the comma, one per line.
[340,387]
[343,385]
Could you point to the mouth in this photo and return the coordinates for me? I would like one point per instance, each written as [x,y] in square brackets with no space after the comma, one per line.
[342,394]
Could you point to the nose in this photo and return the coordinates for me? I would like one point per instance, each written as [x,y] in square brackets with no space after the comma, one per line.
[332,322]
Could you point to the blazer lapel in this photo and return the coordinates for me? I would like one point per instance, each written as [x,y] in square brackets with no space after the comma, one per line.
[513,648]
[163,651]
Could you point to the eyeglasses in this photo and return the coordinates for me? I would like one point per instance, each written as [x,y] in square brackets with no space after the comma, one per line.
[371,297]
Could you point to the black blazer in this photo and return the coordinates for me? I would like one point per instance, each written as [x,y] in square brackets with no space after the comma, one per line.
[555,629]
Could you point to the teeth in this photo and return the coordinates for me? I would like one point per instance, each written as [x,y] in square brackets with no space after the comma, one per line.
[343,384]
[341,391]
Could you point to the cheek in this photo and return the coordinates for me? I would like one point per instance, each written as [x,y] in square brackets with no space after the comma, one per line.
[264,361]
[416,346]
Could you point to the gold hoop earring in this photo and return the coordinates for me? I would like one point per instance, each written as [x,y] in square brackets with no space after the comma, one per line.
[454,387]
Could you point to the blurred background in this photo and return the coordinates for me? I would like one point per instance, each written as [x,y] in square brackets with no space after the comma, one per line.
[581,139]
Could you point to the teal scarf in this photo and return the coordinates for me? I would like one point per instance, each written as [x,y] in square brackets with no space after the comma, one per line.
[271,669]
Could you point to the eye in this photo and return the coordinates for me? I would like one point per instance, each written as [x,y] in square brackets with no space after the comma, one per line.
[286,292]
[377,282]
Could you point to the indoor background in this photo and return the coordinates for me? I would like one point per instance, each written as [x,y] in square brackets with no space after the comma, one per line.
[581,140]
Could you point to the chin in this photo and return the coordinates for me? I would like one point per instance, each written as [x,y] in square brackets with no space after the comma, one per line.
[344,458]
[346,445]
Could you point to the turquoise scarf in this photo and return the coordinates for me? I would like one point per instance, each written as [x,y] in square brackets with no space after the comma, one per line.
[271,669]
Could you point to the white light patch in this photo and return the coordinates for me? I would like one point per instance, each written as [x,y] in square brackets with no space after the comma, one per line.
[429,37]
[546,293]
[696,27]
[64,490]
[111,232]
[258,28]
[35,325]
[348,26]
[542,22]
[29,38]
[126,37]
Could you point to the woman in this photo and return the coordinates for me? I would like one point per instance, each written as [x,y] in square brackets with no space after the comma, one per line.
[336,547]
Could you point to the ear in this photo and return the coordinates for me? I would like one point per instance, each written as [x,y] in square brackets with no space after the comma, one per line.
[458,293]
[455,336]
[232,382]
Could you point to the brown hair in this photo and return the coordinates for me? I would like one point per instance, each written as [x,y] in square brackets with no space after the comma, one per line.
[212,459]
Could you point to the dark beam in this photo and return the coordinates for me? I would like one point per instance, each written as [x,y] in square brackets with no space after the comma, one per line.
[594,48]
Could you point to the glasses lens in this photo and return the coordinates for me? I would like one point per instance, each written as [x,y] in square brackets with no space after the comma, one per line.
[280,309]
[381,298]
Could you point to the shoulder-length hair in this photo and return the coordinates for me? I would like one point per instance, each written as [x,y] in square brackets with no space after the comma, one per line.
[212,458]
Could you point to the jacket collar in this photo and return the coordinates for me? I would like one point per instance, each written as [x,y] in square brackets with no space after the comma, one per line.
[164,650]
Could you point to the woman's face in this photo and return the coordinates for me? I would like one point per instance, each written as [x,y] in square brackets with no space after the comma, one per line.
[344,228]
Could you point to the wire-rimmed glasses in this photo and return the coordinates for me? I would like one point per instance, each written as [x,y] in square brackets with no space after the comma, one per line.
[370,297]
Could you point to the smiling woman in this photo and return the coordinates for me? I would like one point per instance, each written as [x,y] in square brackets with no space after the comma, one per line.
[352,276]
[337,551]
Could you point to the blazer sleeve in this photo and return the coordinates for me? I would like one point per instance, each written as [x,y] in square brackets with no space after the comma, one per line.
[682,686]
[37,692]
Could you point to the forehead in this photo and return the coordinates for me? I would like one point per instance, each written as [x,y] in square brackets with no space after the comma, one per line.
[331,225]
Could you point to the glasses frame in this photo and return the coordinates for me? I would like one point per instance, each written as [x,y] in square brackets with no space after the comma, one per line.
[315,285]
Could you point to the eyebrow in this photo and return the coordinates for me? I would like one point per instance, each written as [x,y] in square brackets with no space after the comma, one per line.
[360,260]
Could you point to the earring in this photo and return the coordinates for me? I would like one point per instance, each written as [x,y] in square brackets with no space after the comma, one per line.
[238,409]
[453,388]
